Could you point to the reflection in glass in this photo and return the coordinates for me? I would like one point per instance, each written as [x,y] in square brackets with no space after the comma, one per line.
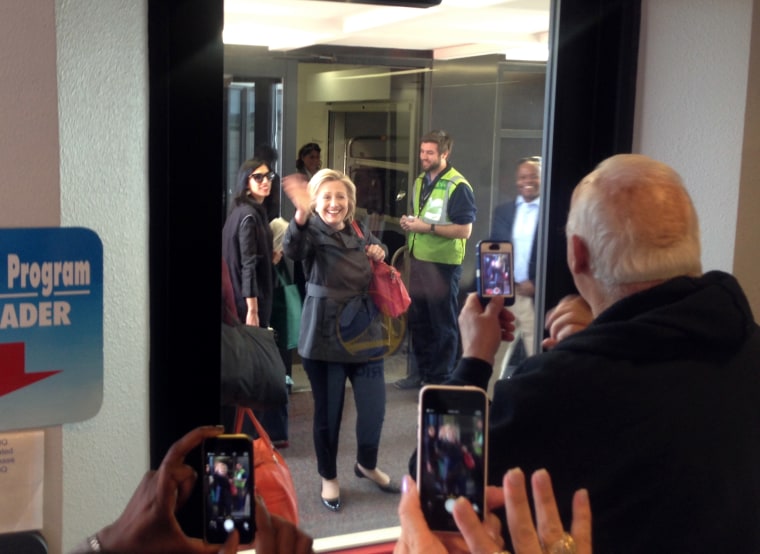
[367,108]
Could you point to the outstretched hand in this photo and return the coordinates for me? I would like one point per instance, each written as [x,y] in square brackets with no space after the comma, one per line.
[278,536]
[148,523]
[528,538]
[295,186]
[485,537]
[477,536]
[483,329]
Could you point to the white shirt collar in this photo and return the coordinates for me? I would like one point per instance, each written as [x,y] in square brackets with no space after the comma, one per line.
[535,202]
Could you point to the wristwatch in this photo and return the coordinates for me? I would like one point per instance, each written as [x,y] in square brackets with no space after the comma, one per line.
[432,228]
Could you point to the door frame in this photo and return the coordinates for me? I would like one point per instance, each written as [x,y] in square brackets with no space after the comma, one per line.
[591,77]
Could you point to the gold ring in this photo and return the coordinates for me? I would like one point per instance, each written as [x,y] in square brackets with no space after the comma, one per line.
[565,545]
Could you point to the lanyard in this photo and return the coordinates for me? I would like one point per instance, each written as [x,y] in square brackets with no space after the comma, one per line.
[427,190]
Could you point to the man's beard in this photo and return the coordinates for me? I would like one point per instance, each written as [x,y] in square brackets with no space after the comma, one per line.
[434,166]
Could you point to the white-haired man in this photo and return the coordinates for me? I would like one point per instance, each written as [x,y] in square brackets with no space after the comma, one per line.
[654,405]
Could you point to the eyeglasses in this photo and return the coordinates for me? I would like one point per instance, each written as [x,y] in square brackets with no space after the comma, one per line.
[259,177]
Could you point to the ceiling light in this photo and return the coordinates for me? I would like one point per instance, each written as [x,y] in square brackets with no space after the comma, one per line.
[378,17]
[470,3]
[275,38]
[466,51]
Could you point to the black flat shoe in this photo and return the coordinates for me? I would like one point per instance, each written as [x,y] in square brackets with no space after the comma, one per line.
[390,486]
[332,504]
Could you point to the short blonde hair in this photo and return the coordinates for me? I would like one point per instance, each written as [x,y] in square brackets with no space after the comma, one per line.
[278,226]
[328,175]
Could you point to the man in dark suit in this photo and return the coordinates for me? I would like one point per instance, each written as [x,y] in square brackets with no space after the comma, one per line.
[516,221]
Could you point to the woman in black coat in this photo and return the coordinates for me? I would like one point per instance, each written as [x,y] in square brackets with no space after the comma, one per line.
[247,244]
[340,329]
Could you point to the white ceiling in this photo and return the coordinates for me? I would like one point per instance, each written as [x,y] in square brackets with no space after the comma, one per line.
[454,29]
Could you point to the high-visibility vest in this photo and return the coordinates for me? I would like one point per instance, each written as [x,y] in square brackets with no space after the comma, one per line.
[430,247]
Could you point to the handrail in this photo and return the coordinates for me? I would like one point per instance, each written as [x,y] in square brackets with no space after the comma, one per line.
[403,268]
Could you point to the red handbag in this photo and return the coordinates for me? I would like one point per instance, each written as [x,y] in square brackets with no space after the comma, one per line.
[388,291]
[387,288]
[273,481]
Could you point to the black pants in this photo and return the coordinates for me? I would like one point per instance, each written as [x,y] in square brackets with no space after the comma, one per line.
[328,385]
[433,325]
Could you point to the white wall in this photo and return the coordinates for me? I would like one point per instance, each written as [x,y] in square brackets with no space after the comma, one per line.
[691,97]
[103,112]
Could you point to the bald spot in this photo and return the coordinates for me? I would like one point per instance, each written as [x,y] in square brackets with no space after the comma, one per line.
[656,213]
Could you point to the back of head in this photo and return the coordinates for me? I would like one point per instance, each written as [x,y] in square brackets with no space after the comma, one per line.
[266,152]
[637,220]
[441,138]
[278,226]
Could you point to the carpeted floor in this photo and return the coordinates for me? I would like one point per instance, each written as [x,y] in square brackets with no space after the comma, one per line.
[364,505]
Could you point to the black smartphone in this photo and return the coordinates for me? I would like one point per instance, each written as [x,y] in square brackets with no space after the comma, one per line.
[452,438]
[495,271]
[228,479]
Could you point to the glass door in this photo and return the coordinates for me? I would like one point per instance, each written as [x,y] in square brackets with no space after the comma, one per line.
[246,127]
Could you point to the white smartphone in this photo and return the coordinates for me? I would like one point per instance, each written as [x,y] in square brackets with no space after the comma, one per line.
[495,271]
[228,501]
[452,441]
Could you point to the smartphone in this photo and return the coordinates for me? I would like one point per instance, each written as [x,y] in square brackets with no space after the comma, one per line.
[452,438]
[228,479]
[495,271]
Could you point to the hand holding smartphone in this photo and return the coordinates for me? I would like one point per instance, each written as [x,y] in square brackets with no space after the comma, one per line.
[228,480]
[495,271]
[451,451]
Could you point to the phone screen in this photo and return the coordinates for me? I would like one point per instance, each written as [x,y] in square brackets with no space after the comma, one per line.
[228,488]
[451,451]
[495,271]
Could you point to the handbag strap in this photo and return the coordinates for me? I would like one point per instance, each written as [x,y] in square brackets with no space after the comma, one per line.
[240,413]
[372,261]
[357,229]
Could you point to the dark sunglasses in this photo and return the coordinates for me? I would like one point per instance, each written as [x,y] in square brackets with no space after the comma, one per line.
[258,177]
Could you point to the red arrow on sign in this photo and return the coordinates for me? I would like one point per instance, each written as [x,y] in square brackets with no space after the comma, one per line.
[12,372]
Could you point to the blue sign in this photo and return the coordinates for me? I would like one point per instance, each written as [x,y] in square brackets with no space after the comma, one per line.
[51,326]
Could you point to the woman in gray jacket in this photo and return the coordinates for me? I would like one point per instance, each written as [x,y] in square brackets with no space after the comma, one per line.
[340,327]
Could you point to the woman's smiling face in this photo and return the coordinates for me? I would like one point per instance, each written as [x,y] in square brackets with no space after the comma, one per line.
[312,162]
[260,183]
[332,203]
